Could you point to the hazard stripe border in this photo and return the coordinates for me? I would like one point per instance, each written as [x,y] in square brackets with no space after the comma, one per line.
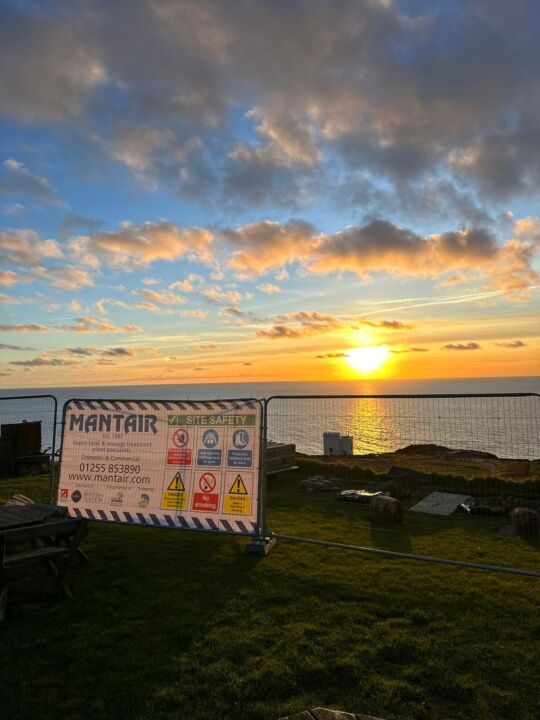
[208,524]
[171,405]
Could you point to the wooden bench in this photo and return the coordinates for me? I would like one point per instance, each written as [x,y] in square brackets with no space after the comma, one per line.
[53,543]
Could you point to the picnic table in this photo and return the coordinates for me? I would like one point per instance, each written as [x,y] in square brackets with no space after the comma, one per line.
[42,533]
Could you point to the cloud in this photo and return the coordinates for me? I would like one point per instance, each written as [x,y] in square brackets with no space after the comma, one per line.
[152,307]
[54,64]
[151,281]
[457,279]
[268,245]
[187,285]
[399,351]
[306,324]
[114,352]
[162,298]
[90,324]
[101,304]
[277,170]
[118,352]
[216,294]
[22,328]
[85,351]
[7,346]
[140,246]
[18,180]
[41,362]
[65,277]
[46,301]
[286,141]
[195,313]
[309,323]
[75,306]
[269,288]
[331,355]
[387,324]
[399,92]
[380,246]
[74,222]
[527,229]
[512,344]
[10,300]
[25,247]
[14,209]
[462,346]
[239,317]
[208,346]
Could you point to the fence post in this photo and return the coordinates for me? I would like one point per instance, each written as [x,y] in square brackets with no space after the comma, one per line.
[262,544]
[53,450]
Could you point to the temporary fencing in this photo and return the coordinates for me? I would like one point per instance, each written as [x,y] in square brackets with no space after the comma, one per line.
[446,478]
[429,476]
[28,436]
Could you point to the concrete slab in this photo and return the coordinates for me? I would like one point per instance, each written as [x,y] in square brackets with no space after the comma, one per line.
[440,503]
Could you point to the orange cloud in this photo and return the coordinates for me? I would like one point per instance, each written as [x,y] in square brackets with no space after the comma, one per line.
[380,246]
[89,324]
[138,246]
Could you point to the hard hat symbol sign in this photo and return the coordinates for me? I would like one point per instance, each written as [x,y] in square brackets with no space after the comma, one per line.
[180,438]
[207,482]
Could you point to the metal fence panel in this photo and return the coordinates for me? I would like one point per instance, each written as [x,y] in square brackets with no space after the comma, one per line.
[28,425]
[431,453]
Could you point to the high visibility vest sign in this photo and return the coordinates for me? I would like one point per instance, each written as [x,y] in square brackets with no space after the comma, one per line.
[176,464]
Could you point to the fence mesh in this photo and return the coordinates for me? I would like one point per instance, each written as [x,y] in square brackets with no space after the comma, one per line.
[28,436]
[457,466]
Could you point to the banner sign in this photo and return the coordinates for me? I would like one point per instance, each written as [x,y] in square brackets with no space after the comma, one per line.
[174,464]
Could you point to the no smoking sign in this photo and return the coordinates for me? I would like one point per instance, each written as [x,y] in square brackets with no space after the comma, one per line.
[207,482]
[206,500]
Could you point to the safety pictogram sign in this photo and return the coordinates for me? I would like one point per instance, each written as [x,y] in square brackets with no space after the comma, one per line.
[180,438]
[177,483]
[175,496]
[237,501]
[210,439]
[206,500]
[238,487]
[207,482]
[240,439]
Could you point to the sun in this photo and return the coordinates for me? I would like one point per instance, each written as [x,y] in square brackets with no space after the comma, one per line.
[368,359]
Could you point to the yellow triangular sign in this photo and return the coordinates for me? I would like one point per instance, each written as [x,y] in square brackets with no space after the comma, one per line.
[176,483]
[238,487]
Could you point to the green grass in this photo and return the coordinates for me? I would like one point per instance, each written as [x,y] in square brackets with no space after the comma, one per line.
[178,624]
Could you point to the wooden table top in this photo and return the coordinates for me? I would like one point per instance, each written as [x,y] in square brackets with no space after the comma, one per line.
[14,516]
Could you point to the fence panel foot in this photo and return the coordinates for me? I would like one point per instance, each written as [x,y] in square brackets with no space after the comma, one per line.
[260,546]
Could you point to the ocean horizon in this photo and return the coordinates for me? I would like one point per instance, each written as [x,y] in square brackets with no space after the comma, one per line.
[265,389]
[505,426]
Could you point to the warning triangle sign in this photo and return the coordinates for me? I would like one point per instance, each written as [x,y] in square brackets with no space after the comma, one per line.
[238,487]
[176,483]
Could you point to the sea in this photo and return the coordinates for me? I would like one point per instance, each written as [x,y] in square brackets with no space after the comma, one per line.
[496,415]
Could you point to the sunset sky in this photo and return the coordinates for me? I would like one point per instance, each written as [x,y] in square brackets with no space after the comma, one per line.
[206,191]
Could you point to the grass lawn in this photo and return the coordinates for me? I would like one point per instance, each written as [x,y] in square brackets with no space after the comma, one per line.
[183,625]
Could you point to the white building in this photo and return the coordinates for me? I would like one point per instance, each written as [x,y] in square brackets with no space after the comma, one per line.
[336,444]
